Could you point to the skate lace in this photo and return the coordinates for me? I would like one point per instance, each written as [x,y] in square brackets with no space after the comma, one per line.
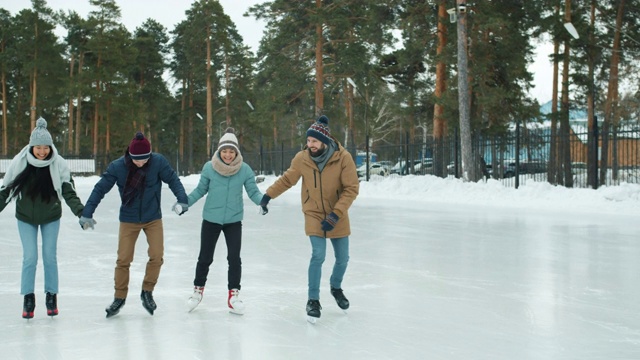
[148,298]
[337,293]
[314,304]
[51,301]
[117,303]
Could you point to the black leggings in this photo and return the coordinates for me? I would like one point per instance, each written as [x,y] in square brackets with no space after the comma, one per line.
[208,238]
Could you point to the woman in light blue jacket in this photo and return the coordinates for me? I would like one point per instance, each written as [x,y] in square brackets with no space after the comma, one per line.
[222,180]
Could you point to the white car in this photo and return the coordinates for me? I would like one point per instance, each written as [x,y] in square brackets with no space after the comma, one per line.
[374,169]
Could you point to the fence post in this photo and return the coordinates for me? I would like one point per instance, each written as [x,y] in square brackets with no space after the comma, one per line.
[456,152]
[261,156]
[406,172]
[594,154]
[517,169]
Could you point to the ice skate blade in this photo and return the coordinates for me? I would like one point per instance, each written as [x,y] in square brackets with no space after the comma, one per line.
[312,319]
[236,312]
[192,306]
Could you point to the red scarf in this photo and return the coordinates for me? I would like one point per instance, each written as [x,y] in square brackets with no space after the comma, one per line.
[135,181]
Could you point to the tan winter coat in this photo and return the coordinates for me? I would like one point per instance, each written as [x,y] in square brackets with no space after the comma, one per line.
[333,189]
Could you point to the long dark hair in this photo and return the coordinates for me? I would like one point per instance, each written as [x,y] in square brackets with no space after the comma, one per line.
[42,186]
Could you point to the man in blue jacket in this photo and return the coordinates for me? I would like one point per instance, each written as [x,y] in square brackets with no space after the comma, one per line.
[139,175]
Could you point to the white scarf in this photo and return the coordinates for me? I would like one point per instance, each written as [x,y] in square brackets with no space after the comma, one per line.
[58,169]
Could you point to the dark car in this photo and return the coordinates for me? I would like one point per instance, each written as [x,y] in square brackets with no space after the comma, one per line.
[401,167]
[526,167]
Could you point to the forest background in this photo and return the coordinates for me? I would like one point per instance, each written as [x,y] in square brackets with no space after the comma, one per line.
[379,70]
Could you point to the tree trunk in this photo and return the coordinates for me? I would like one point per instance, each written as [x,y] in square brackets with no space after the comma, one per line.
[468,167]
[96,108]
[34,81]
[209,95]
[5,120]
[592,160]
[79,105]
[552,174]
[610,118]
[107,141]
[319,65]
[70,124]
[183,108]
[439,123]
[564,151]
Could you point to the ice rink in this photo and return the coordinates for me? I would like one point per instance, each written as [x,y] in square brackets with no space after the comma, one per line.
[428,279]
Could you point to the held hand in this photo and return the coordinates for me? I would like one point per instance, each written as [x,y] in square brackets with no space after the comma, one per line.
[180,208]
[330,222]
[264,205]
[87,223]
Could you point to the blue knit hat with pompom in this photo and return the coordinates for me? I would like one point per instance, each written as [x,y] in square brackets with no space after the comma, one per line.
[320,130]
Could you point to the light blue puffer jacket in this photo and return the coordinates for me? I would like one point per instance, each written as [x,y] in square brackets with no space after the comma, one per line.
[224,201]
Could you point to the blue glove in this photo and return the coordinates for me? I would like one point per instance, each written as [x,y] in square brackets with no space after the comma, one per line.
[263,204]
[180,208]
[87,223]
[330,222]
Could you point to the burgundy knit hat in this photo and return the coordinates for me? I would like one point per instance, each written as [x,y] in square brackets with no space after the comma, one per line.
[139,147]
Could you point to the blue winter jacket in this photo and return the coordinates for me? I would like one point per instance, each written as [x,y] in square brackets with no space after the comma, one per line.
[141,210]
[224,202]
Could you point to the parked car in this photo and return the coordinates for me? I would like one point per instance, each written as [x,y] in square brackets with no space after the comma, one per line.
[386,163]
[423,167]
[579,167]
[530,167]
[400,167]
[376,168]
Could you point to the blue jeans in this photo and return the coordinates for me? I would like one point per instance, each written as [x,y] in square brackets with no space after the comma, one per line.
[318,253]
[29,237]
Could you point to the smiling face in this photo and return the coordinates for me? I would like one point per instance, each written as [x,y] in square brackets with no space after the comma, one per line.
[315,146]
[41,151]
[228,154]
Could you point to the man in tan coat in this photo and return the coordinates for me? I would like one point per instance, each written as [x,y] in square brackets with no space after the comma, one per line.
[329,187]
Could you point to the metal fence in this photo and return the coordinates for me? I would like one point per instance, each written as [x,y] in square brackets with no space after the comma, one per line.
[513,159]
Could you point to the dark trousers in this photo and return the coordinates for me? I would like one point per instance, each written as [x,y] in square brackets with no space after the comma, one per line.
[209,235]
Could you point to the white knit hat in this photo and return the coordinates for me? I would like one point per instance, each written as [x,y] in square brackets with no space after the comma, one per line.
[229,139]
[40,135]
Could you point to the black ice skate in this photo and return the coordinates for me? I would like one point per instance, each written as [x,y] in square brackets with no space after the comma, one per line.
[52,304]
[313,310]
[147,301]
[29,306]
[342,301]
[115,307]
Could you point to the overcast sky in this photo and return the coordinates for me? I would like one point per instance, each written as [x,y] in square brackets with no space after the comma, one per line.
[171,12]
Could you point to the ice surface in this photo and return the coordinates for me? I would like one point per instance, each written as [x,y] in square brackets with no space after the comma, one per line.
[440,269]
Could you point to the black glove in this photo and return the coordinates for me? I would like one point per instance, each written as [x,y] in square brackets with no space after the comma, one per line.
[263,204]
[330,222]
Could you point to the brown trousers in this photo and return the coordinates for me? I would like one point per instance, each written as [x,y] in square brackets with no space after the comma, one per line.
[126,247]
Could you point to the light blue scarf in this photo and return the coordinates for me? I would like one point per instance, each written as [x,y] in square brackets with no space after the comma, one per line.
[58,169]
[321,160]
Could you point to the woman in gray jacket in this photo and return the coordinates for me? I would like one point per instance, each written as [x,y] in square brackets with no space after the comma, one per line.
[222,180]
